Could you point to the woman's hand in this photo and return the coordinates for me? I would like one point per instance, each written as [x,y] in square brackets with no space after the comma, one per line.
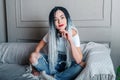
[66,35]
[34,57]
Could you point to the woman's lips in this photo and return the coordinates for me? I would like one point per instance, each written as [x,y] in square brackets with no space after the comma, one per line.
[61,25]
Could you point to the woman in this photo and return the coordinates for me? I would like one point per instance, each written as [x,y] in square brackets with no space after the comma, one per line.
[64,53]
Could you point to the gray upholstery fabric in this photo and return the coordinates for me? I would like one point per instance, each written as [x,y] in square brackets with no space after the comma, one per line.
[16,53]
[99,65]
[14,58]
[12,72]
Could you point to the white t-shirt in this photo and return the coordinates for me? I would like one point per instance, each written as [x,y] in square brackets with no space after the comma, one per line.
[61,44]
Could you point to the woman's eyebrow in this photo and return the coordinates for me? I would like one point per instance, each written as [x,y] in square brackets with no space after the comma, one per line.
[62,15]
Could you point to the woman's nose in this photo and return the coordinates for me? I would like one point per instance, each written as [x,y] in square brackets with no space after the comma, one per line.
[59,21]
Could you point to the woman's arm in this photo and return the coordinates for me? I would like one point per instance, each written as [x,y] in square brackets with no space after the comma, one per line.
[41,44]
[76,51]
[35,55]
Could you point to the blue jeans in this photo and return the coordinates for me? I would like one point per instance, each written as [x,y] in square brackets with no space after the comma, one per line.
[62,73]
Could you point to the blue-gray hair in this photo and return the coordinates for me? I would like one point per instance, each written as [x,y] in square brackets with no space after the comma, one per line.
[53,53]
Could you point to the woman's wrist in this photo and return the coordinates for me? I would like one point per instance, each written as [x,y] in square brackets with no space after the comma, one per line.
[70,41]
[36,51]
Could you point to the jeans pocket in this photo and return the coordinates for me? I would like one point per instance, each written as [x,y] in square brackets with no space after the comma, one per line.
[61,66]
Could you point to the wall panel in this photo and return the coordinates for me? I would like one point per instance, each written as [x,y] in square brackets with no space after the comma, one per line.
[28,19]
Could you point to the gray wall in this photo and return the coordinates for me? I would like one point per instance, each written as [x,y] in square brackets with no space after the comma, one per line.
[100,23]
[115,32]
[2,22]
[28,21]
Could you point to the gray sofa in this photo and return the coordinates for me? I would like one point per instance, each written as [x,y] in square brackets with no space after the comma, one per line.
[14,59]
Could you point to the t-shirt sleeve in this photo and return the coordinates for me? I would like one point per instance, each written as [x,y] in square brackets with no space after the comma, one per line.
[76,40]
[45,38]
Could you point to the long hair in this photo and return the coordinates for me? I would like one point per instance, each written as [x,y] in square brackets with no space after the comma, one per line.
[52,50]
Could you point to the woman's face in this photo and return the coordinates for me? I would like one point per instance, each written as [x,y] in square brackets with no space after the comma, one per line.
[60,20]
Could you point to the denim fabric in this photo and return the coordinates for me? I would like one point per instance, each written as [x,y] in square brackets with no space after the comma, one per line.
[61,64]
[61,72]
[70,73]
[43,64]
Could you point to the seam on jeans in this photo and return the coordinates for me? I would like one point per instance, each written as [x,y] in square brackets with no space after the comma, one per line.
[44,60]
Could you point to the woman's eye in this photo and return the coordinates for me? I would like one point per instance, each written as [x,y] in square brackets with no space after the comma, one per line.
[62,17]
[55,19]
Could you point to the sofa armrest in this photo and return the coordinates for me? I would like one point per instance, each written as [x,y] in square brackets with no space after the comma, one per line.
[99,65]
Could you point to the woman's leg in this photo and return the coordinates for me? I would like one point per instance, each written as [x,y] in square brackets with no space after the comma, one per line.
[34,58]
[40,62]
[70,73]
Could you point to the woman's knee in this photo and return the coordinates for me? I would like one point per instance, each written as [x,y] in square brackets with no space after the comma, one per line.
[34,57]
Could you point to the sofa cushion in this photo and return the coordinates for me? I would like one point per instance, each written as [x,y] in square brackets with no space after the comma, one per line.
[16,53]
[12,72]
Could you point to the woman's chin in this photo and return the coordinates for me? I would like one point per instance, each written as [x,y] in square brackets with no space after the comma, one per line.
[61,29]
